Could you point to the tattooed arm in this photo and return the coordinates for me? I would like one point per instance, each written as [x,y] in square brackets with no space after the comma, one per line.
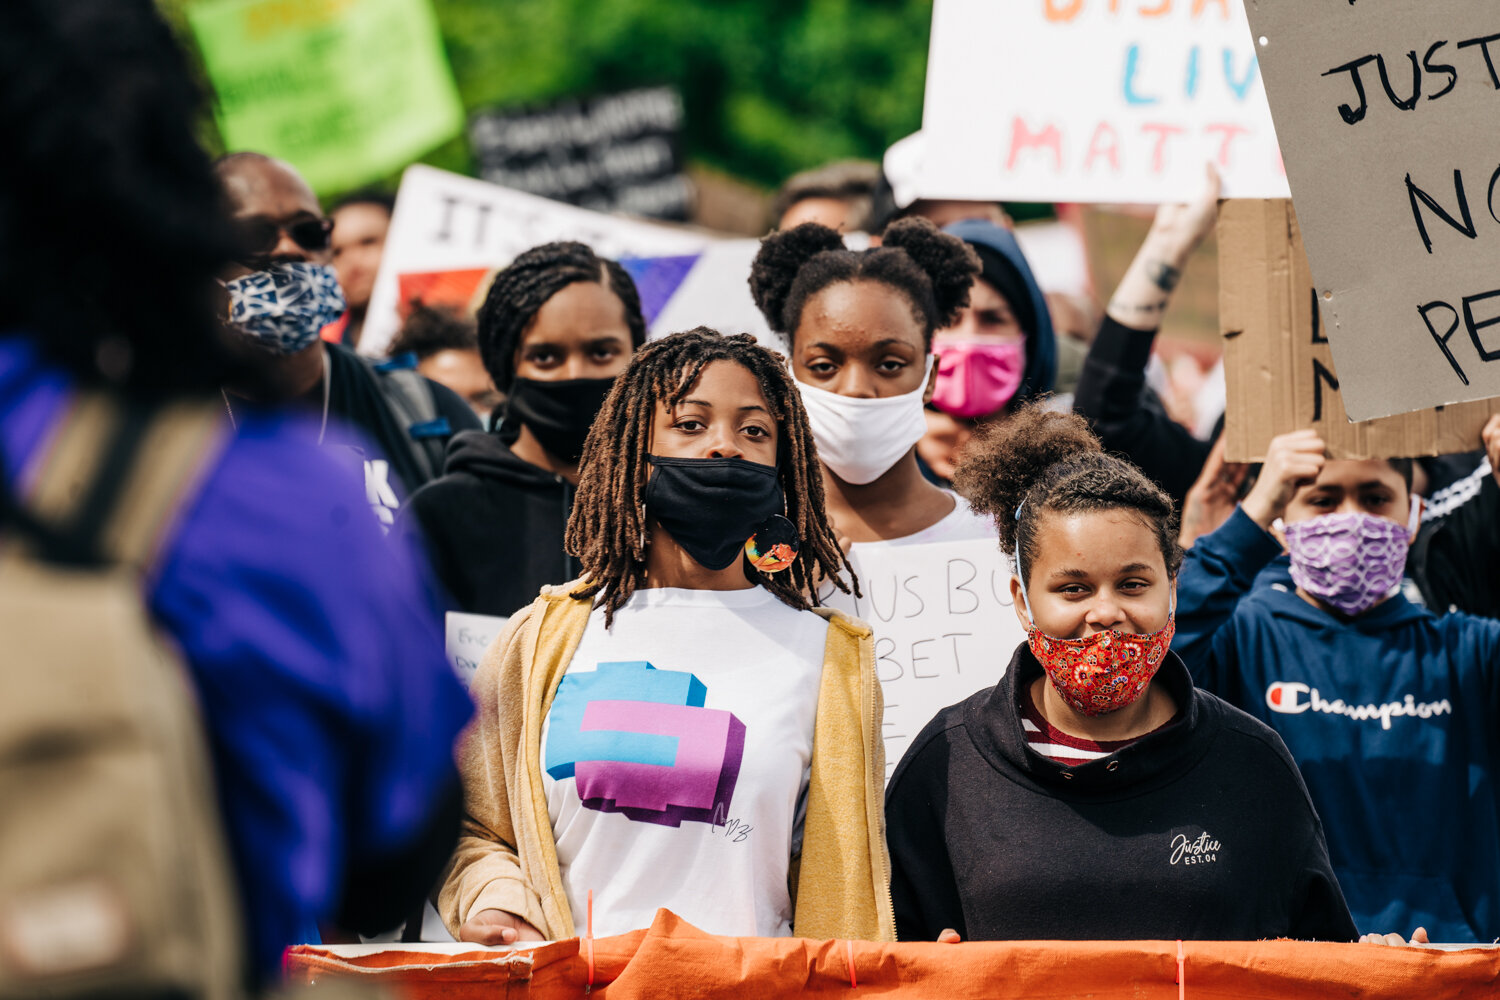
[1112,391]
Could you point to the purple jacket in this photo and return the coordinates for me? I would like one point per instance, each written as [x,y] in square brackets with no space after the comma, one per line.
[316,647]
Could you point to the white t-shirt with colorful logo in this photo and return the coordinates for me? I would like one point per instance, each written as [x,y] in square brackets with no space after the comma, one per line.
[675,760]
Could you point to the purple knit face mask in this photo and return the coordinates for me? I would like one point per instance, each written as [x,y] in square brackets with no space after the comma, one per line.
[1349,560]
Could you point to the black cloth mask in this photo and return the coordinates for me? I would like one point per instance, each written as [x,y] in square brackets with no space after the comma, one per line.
[558,413]
[711,506]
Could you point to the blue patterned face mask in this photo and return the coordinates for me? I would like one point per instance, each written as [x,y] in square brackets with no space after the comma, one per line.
[285,306]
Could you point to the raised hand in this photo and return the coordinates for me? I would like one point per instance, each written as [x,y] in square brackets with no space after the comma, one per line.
[1292,461]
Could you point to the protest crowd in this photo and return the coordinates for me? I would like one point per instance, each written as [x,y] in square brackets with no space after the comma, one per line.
[1210,700]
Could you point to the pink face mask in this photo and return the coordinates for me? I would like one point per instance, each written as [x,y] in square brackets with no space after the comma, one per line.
[977,377]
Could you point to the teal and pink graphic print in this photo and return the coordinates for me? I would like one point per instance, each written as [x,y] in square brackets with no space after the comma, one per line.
[638,741]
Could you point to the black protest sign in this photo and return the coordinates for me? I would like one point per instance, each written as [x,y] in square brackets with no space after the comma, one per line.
[612,153]
[1384,115]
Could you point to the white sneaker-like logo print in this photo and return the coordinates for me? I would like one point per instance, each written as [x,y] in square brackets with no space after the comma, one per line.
[1202,851]
[1287,697]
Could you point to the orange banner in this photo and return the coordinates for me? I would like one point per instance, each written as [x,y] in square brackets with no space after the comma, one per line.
[675,959]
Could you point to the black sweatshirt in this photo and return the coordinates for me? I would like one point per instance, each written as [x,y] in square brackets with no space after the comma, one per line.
[1129,418]
[355,397]
[493,525]
[1202,830]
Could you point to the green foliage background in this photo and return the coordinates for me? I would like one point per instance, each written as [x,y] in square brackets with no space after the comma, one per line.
[770,86]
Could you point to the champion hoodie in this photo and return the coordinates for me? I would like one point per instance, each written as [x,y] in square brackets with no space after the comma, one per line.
[493,525]
[1201,830]
[1392,716]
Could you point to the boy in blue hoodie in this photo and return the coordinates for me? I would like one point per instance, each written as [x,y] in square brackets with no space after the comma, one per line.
[1292,612]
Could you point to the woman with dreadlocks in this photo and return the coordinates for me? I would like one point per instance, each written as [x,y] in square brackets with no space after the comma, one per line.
[679,727]
[1095,793]
[556,328]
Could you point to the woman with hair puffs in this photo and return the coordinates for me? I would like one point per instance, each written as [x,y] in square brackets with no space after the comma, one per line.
[1095,793]
[678,728]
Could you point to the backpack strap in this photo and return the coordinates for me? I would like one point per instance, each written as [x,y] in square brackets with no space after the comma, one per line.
[410,400]
[115,475]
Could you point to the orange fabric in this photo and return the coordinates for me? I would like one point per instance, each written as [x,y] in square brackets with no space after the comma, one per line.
[675,959]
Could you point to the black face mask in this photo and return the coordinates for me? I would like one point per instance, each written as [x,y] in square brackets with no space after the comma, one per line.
[558,413]
[711,506]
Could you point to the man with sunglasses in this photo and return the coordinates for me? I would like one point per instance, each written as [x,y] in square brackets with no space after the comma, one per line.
[282,296]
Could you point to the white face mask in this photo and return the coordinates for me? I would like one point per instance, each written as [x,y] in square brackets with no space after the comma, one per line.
[860,439]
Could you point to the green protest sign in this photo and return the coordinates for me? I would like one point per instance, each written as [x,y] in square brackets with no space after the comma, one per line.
[344,90]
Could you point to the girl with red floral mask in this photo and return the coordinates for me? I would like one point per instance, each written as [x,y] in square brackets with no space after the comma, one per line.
[1095,792]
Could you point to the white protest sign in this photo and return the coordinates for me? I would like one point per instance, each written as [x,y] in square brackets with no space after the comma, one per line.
[716,294]
[1094,101]
[1385,109]
[467,638]
[944,626]
[444,221]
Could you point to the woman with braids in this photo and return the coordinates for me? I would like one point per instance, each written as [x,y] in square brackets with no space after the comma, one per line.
[556,328]
[678,728]
[1094,793]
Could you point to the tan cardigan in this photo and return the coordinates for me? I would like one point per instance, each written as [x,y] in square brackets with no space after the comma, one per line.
[507,858]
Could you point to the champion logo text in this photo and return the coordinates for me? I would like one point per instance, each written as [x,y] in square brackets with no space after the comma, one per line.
[1291,698]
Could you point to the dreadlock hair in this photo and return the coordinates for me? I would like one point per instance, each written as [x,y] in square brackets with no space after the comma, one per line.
[931,269]
[1040,460]
[519,291]
[607,529]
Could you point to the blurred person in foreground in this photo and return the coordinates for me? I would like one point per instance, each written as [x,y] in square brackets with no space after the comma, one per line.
[360,224]
[312,646]
[445,344]
[282,292]
[837,195]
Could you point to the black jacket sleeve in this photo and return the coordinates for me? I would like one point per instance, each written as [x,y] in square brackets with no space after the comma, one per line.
[1455,557]
[1319,911]
[923,889]
[422,520]
[381,892]
[1128,417]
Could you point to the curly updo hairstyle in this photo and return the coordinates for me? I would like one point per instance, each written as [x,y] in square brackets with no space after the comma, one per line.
[519,291]
[930,269]
[1041,460]
[607,530]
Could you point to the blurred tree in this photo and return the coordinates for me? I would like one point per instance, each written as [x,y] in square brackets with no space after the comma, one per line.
[770,86]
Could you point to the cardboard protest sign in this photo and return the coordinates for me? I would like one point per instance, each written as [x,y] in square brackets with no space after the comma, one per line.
[1094,101]
[944,626]
[446,222]
[466,639]
[1277,362]
[1383,110]
[344,90]
[612,153]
